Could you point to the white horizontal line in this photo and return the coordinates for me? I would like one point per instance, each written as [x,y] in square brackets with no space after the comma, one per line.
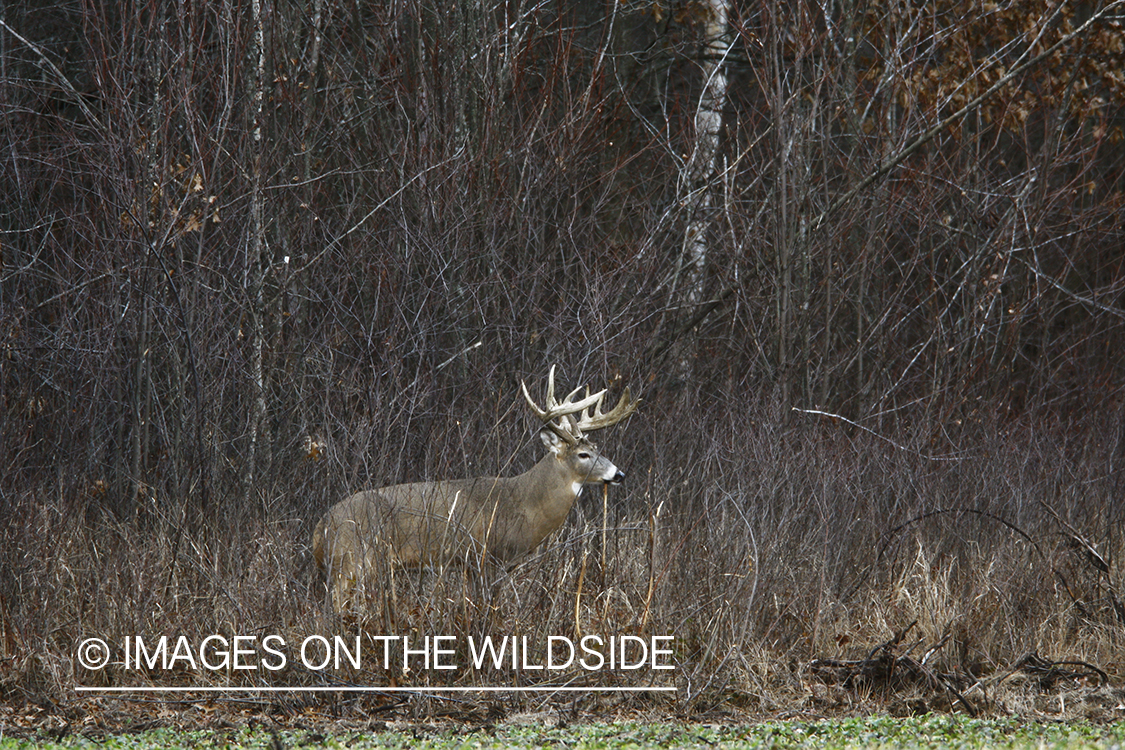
[365,689]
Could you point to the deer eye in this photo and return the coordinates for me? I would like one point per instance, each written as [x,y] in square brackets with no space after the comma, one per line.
[583,455]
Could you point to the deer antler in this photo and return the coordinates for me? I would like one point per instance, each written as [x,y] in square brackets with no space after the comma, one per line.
[569,428]
[626,405]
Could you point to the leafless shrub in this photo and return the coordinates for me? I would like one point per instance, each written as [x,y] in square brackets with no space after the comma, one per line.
[251,263]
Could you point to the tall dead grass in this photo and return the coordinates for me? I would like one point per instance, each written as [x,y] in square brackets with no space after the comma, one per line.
[759,540]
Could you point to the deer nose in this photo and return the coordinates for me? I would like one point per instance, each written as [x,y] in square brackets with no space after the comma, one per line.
[617,478]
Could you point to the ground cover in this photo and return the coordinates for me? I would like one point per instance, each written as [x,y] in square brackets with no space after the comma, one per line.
[930,731]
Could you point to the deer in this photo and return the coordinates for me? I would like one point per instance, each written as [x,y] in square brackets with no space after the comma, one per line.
[482,519]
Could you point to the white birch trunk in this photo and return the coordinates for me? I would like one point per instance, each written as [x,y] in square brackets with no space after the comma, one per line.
[700,168]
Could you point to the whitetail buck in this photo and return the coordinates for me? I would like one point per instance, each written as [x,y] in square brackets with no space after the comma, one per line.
[471,520]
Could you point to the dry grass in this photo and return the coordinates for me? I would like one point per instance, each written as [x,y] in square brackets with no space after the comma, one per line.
[760,549]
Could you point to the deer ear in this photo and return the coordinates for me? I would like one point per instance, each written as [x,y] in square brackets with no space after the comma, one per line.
[553,442]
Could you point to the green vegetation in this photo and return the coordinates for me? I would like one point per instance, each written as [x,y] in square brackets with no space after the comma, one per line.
[929,731]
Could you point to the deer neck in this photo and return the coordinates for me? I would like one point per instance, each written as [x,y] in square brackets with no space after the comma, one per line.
[547,492]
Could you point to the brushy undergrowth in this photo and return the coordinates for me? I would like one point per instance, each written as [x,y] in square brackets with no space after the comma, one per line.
[255,257]
[799,566]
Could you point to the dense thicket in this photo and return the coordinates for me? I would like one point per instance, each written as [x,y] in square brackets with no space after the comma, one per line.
[254,256]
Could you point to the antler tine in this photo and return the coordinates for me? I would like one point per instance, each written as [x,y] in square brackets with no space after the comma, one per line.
[543,414]
[560,408]
[569,418]
[626,405]
[551,403]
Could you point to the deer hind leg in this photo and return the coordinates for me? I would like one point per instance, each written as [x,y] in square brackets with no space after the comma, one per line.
[342,578]
[356,583]
[342,593]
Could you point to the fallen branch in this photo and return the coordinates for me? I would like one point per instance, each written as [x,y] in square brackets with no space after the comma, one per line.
[890,667]
[886,668]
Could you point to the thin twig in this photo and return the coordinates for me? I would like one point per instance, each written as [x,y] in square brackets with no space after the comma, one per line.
[930,134]
[830,415]
[63,80]
[709,307]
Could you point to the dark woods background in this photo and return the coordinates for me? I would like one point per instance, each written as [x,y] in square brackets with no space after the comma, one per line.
[254,256]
